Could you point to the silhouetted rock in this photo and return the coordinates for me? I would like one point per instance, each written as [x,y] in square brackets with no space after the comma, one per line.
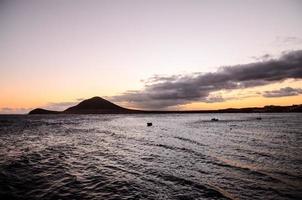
[42,111]
[96,105]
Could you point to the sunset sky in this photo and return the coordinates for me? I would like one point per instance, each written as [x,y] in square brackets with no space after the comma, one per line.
[158,54]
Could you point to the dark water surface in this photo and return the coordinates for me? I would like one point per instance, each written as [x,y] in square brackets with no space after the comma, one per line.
[180,157]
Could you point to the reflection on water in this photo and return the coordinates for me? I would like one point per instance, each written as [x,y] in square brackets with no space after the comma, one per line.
[180,157]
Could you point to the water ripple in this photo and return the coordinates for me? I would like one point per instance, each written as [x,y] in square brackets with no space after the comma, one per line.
[180,157]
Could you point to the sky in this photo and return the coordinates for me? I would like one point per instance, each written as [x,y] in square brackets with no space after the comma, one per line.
[159,54]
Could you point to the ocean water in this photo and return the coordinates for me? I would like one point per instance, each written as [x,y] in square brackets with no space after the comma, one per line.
[182,156]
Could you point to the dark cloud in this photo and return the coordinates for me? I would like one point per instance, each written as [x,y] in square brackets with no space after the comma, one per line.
[283,92]
[161,92]
[264,57]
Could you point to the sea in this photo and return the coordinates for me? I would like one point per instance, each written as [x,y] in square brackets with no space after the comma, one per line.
[179,157]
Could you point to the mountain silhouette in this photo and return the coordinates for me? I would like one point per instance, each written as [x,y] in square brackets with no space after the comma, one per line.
[98,105]
[43,111]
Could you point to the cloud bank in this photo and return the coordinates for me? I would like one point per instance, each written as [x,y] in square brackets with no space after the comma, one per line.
[57,106]
[283,92]
[7,110]
[165,91]
[60,106]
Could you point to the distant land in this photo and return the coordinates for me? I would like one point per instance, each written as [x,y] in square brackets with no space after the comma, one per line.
[98,105]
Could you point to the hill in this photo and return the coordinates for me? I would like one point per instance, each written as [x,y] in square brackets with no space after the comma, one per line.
[96,105]
[43,111]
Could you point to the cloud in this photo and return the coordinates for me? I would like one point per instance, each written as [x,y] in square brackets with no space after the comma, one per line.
[289,40]
[264,57]
[283,92]
[214,99]
[7,110]
[292,42]
[166,91]
[60,106]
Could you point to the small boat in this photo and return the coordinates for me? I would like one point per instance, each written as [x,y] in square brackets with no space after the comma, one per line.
[258,118]
[149,124]
[214,119]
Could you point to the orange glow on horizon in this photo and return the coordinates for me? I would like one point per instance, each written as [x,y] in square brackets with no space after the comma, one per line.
[20,98]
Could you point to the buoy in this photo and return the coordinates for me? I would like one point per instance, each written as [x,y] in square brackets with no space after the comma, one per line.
[149,124]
